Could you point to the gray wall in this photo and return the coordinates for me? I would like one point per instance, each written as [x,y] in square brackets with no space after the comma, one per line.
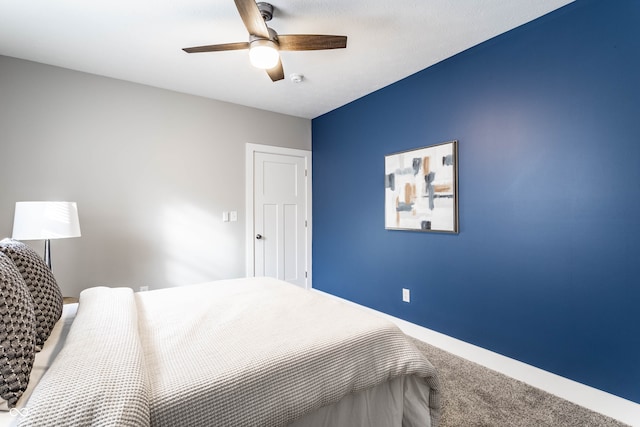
[151,170]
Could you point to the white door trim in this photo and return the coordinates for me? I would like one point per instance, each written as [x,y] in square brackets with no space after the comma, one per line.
[250,150]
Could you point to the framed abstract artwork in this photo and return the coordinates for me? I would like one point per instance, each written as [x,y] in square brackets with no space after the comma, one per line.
[421,189]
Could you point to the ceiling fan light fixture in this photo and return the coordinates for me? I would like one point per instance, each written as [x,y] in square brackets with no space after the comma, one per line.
[265,44]
[263,54]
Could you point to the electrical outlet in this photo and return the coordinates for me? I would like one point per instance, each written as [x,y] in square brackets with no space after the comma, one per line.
[406,295]
[144,288]
[233,216]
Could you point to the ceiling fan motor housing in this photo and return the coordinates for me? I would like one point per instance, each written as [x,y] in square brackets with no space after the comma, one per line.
[273,36]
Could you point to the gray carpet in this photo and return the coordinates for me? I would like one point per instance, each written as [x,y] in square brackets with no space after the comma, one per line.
[473,395]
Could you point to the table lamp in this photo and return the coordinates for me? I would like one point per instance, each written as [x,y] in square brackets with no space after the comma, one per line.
[45,221]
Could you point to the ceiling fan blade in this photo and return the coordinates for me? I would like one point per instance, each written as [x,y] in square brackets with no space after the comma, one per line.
[217,47]
[252,18]
[276,73]
[311,42]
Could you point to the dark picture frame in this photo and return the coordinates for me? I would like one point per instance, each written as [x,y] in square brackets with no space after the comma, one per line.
[421,189]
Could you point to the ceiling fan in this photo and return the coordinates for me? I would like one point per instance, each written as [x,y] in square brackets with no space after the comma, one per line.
[264,43]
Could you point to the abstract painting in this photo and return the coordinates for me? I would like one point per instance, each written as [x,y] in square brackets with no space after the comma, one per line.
[421,189]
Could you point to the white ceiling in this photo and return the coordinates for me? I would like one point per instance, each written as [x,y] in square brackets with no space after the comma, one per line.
[141,41]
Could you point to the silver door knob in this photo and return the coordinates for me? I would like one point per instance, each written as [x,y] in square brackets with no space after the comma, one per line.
[258,236]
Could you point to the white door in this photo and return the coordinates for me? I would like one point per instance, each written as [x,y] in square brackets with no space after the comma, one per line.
[280,237]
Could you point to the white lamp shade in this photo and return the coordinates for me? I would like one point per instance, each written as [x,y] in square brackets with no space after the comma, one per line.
[45,220]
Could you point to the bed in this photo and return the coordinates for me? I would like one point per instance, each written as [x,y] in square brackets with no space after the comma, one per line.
[241,352]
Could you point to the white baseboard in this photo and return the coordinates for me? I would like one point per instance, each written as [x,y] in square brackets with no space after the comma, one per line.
[591,398]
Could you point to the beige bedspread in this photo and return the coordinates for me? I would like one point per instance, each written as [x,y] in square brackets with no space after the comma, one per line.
[245,352]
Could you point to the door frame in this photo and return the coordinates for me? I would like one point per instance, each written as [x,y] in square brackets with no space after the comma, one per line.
[250,150]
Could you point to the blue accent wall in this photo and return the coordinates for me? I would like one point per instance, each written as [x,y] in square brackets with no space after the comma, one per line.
[546,267]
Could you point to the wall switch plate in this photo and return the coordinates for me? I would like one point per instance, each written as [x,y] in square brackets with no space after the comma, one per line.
[144,288]
[225,216]
[406,295]
[234,216]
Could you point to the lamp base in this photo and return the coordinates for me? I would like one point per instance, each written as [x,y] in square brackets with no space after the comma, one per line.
[47,253]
